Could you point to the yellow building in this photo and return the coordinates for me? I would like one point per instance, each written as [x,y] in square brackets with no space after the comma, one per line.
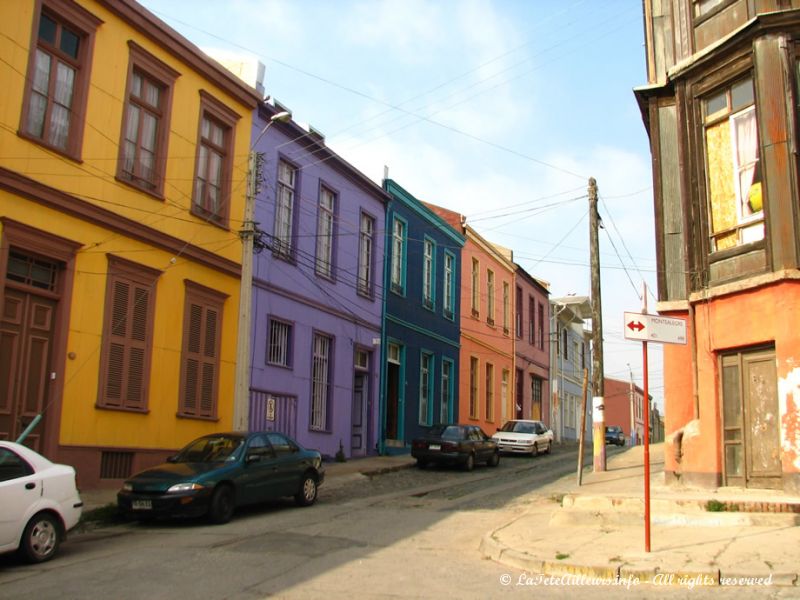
[123,161]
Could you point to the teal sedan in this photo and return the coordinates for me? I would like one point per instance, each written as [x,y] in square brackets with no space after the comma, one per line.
[217,473]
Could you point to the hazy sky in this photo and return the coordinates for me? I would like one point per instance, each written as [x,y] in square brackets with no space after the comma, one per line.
[500,110]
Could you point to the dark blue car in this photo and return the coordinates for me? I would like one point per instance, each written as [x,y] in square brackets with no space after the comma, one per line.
[217,473]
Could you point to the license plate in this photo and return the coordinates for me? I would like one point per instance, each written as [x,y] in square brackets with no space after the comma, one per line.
[434,447]
[142,505]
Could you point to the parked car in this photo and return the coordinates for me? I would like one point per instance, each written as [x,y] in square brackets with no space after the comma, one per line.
[523,436]
[615,435]
[215,474]
[455,445]
[39,503]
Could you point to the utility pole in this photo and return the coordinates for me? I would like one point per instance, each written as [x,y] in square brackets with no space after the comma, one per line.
[598,381]
[633,400]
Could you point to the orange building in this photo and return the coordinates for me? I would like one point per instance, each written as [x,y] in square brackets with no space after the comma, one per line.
[486,376]
[721,111]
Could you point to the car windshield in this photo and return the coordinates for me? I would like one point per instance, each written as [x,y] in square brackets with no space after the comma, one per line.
[446,432]
[518,427]
[214,448]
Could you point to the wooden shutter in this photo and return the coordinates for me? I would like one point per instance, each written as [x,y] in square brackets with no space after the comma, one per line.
[202,335]
[127,335]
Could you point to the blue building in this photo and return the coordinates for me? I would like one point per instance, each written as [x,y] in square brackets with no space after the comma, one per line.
[421,320]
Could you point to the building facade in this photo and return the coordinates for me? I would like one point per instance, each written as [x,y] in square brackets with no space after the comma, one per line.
[531,348]
[624,406]
[486,385]
[421,342]
[120,257]
[721,111]
[317,292]
[570,363]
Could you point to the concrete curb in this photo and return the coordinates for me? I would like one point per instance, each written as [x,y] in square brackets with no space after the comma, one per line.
[495,550]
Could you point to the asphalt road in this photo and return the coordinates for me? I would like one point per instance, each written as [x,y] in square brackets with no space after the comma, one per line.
[408,534]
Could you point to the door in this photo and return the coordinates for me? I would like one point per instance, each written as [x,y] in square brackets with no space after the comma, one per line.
[359,416]
[751,423]
[26,339]
[519,402]
[392,399]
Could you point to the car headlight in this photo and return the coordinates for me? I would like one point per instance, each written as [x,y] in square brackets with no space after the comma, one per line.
[127,487]
[185,487]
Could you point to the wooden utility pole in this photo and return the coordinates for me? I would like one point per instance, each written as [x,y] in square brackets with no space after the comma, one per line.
[598,406]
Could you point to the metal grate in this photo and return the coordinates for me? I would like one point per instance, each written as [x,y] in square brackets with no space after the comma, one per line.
[115,465]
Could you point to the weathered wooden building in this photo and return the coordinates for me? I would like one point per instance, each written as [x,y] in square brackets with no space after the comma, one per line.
[721,110]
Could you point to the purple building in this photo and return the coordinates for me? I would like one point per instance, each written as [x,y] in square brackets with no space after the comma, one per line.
[317,293]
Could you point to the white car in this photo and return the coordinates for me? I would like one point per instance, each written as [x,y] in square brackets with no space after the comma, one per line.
[39,501]
[524,437]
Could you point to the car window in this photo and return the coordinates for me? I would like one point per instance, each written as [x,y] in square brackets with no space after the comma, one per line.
[281,444]
[13,466]
[211,448]
[260,446]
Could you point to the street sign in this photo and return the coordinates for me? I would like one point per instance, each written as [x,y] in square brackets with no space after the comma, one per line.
[655,328]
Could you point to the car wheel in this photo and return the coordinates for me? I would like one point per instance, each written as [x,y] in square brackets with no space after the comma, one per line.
[549,447]
[41,538]
[494,460]
[469,464]
[422,463]
[308,491]
[535,451]
[222,505]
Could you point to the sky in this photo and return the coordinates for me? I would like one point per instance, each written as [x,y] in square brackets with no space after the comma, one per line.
[498,109]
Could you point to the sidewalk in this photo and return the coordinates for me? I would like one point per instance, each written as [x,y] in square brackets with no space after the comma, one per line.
[598,531]
[336,473]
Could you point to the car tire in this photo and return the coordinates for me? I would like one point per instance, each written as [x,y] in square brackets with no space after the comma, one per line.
[421,463]
[535,450]
[469,464]
[307,494]
[222,505]
[549,447]
[41,538]
[494,460]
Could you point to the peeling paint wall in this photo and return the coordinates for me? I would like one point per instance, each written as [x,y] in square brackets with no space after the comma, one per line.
[788,402]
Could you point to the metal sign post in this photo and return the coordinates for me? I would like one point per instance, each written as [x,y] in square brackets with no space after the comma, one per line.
[663,330]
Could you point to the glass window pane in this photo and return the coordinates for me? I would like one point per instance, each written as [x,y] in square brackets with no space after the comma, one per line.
[136,86]
[47,29]
[132,127]
[732,404]
[70,43]
[733,460]
[742,94]
[716,103]
[65,83]
[36,111]
[59,126]
[149,128]
[41,77]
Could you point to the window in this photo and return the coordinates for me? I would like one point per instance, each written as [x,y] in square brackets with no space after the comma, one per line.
[398,255]
[518,308]
[449,284]
[476,288]
[200,360]
[212,180]
[536,397]
[447,390]
[279,343]
[428,251]
[489,392]
[506,307]
[564,343]
[531,321]
[284,209]
[583,355]
[325,233]
[127,335]
[13,466]
[58,76]
[320,382]
[473,387]
[145,122]
[735,200]
[425,388]
[365,245]
[704,7]
[490,296]
[540,330]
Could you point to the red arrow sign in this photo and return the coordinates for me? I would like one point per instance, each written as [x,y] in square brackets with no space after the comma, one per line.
[635,326]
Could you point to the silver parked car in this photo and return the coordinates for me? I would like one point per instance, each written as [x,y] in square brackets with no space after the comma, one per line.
[523,436]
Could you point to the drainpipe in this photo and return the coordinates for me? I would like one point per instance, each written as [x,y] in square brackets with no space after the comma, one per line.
[383,353]
[695,374]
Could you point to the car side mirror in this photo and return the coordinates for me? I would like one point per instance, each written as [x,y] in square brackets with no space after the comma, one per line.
[172,459]
[251,458]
